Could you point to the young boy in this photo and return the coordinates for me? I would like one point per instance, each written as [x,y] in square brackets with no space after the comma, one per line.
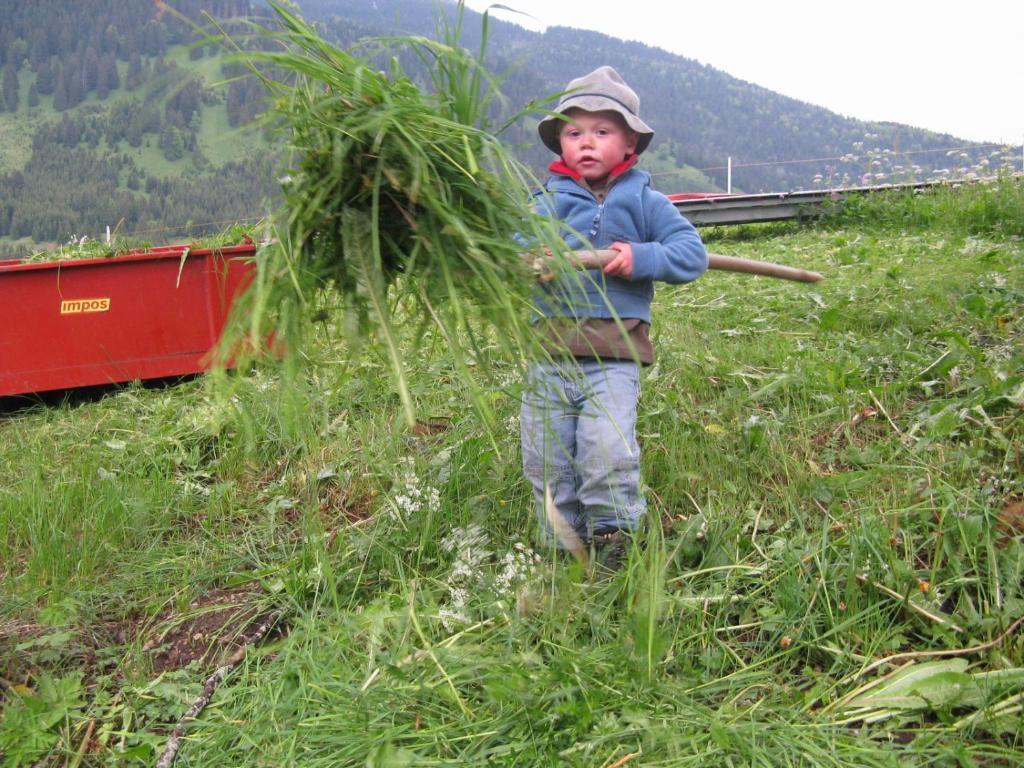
[579,411]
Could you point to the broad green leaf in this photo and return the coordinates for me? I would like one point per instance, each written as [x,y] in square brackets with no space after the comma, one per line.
[928,684]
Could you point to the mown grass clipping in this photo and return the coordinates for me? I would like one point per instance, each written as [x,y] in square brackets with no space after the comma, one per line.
[401,206]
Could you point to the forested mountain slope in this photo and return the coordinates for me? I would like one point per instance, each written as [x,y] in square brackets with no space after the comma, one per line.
[110,117]
[703,113]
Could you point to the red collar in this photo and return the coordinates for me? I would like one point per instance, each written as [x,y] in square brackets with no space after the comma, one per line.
[559,167]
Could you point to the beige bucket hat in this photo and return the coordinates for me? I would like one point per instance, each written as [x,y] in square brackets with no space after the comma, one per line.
[603,89]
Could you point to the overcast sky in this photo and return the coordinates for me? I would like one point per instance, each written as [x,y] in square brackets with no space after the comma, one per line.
[951,67]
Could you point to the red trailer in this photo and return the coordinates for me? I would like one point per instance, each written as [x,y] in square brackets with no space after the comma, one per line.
[143,314]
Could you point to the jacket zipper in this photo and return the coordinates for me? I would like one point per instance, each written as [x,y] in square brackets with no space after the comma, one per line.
[596,225]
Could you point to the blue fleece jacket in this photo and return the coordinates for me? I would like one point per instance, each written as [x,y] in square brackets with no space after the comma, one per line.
[666,246]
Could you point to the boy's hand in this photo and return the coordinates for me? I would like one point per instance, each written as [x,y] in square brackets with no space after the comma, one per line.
[622,264]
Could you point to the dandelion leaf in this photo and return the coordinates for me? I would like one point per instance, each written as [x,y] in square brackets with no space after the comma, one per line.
[925,685]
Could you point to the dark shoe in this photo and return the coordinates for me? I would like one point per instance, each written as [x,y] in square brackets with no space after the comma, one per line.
[610,549]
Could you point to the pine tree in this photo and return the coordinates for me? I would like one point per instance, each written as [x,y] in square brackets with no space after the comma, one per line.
[45,78]
[60,96]
[106,76]
[111,41]
[37,50]
[90,70]
[10,88]
[136,129]
[172,142]
[133,78]
[113,78]
[73,85]
[70,132]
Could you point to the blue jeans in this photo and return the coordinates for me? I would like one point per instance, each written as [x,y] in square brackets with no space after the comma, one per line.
[578,425]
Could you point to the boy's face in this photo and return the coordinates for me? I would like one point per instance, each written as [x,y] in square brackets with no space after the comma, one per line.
[595,142]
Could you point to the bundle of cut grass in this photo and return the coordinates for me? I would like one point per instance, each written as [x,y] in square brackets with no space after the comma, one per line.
[400,204]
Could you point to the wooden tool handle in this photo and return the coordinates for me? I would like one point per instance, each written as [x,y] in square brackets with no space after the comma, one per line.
[598,259]
[766,268]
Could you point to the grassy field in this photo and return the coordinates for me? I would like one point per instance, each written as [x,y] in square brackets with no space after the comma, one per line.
[220,143]
[831,575]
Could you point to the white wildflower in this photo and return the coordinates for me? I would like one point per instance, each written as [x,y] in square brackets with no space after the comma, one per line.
[472,579]
[518,566]
[467,574]
[411,496]
[461,571]
[451,618]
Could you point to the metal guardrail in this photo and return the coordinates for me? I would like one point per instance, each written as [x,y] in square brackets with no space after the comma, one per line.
[716,209]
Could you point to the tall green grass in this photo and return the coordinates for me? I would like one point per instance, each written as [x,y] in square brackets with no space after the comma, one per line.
[401,205]
[829,470]
[991,207]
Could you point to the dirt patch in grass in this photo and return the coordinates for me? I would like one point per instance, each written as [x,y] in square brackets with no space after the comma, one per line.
[207,632]
[11,634]
[338,504]
[27,647]
[434,427]
[1011,520]
[859,430]
[868,425]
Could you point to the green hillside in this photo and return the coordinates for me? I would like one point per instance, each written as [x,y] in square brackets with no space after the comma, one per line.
[216,138]
[160,146]
[108,117]
[705,113]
